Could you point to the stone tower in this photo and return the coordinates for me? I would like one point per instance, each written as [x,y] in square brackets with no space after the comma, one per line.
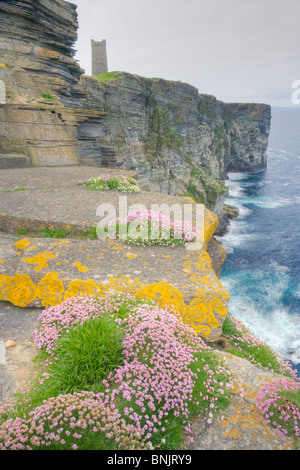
[99,57]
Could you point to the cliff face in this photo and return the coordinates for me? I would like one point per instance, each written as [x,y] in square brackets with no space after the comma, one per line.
[37,38]
[177,140]
[37,67]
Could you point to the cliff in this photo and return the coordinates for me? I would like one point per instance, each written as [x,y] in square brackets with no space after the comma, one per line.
[37,67]
[177,140]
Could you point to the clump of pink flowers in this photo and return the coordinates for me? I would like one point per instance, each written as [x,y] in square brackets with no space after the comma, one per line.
[277,409]
[55,321]
[151,227]
[61,422]
[105,182]
[164,359]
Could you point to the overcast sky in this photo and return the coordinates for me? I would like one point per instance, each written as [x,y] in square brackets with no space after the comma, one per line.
[236,50]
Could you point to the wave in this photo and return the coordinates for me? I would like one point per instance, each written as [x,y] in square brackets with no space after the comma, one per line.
[238,199]
[265,294]
[257,301]
[274,152]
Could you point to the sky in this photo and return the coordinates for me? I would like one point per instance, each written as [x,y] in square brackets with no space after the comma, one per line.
[237,50]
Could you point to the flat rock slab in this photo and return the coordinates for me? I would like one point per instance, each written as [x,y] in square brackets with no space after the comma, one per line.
[45,272]
[37,272]
[36,178]
[17,369]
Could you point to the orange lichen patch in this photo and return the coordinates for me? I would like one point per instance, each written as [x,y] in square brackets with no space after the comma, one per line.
[217,307]
[202,275]
[246,418]
[118,248]
[3,66]
[235,433]
[50,290]
[164,294]
[131,255]
[2,261]
[202,330]
[208,310]
[122,284]
[78,287]
[18,290]
[211,223]
[48,53]
[4,282]
[234,419]
[21,244]
[81,269]
[41,259]
[199,314]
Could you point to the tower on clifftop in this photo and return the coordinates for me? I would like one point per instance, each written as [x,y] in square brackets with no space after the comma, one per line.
[99,57]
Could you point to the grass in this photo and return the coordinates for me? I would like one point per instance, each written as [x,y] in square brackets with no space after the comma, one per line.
[108,76]
[89,233]
[83,385]
[120,373]
[49,232]
[244,344]
[48,96]
[86,355]
[96,391]
[22,231]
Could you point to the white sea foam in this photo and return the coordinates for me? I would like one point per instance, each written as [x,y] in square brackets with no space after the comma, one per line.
[279,329]
[235,191]
[257,302]
[263,202]
[272,152]
[297,292]
[243,211]
[259,297]
[237,176]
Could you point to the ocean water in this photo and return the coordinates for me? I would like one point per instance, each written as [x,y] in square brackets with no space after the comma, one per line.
[262,270]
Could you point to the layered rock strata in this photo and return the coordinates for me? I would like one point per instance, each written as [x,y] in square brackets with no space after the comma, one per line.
[38,68]
[177,140]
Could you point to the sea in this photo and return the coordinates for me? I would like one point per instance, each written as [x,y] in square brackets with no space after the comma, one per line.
[262,269]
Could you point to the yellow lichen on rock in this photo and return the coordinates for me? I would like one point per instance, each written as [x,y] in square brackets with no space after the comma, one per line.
[81,269]
[50,290]
[122,284]
[41,260]
[78,287]
[206,313]
[22,244]
[4,282]
[18,290]
[202,315]
[164,294]
[211,223]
